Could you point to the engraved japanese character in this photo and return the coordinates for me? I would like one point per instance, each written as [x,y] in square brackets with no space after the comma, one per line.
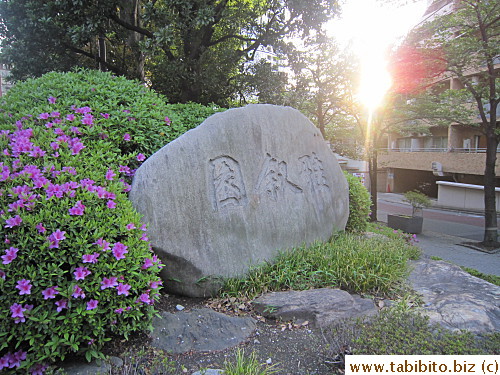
[229,188]
[273,179]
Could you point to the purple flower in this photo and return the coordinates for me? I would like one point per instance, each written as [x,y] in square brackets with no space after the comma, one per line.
[2,274]
[155,284]
[130,226]
[51,99]
[110,195]
[92,304]
[144,298]
[50,293]
[10,360]
[78,292]
[13,221]
[144,237]
[88,119]
[119,250]
[5,360]
[43,116]
[105,115]
[90,258]
[126,137]
[147,263]
[109,283]
[76,146]
[83,110]
[55,238]
[75,130]
[167,120]
[40,228]
[126,187]
[38,369]
[62,304]
[110,174]
[81,273]
[124,169]
[101,192]
[10,255]
[123,289]
[141,157]
[77,209]
[103,244]
[119,311]
[17,310]
[70,117]
[24,286]
[111,204]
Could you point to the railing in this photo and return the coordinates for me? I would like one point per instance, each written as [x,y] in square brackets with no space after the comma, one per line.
[462,150]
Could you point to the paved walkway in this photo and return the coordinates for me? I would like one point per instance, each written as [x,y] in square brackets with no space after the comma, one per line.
[444,233]
[450,248]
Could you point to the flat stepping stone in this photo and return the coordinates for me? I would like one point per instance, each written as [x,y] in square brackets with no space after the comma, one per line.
[455,299]
[200,330]
[320,307]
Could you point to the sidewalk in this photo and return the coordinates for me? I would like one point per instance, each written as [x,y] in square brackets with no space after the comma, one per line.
[445,239]
[449,248]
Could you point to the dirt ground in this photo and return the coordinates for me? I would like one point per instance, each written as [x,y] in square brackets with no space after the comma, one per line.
[292,349]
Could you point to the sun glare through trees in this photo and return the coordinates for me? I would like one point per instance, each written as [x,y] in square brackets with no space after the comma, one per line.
[370,28]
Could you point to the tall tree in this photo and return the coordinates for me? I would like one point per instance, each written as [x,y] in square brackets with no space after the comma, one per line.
[461,46]
[320,71]
[188,49]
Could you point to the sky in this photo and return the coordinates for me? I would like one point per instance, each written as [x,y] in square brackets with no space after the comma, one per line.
[369,28]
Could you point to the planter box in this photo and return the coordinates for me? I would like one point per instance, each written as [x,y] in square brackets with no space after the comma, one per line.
[408,224]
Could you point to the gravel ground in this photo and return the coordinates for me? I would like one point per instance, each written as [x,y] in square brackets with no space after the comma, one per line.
[292,349]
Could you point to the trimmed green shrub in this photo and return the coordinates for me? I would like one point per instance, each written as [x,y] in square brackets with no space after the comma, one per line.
[76,266]
[141,121]
[359,205]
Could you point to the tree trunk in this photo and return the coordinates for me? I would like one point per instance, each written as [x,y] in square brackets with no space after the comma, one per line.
[490,212]
[102,53]
[372,171]
[321,118]
[130,13]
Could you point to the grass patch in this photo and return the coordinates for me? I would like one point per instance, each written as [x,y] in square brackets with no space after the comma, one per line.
[494,279]
[399,332]
[247,365]
[375,265]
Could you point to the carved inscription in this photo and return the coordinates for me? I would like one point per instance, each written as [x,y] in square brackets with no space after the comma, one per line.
[313,173]
[228,188]
[228,185]
[273,179]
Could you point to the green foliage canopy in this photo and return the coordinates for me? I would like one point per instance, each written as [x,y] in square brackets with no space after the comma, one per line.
[188,50]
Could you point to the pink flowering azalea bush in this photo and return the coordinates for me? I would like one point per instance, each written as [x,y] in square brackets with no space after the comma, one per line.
[76,266]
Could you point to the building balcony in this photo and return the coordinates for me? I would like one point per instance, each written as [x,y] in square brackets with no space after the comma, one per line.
[454,161]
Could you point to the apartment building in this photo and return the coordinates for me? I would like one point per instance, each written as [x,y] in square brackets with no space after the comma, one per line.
[454,153]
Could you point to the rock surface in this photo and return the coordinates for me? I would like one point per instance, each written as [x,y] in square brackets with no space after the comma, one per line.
[92,368]
[455,299]
[320,307]
[209,371]
[236,190]
[199,330]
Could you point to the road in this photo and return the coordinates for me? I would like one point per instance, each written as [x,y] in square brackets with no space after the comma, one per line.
[445,232]
[453,223]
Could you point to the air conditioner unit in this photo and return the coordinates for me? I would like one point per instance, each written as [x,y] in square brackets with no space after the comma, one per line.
[437,168]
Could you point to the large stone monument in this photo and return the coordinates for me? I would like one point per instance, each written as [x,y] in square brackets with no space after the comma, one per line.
[233,192]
